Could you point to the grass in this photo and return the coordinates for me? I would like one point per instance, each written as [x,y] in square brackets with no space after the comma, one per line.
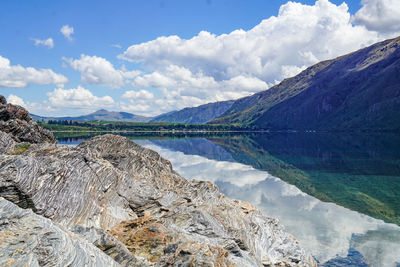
[19,149]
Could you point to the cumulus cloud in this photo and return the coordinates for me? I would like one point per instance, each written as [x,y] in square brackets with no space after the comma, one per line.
[98,70]
[49,43]
[180,88]
[67,31]
[16,100]
[32,107]
[299,36]
[142,94]
[139,102]
[78,98]
[18,76]
[211,67]
[379,15]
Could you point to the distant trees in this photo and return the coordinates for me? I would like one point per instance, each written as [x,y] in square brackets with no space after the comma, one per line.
[71,125]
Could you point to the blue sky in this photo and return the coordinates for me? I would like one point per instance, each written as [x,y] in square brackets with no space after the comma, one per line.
[149,57]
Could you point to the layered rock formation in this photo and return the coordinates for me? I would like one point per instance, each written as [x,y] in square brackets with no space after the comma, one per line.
[111,195]
[28,239]
[15,121]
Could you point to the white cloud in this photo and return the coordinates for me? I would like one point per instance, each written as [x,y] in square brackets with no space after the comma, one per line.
[117,46]
[98,70]
[299,36]
[211,67]
[139,102]
[32,107]
[142,94]
[78,98]
[379,15]
[16,100]
[49,43]
[142,108]
[175,81]
[67,31]
[18,76]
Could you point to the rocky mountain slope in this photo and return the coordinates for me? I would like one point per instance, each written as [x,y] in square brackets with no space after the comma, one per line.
[100,115]
[358,91]
[197,115]
[110,202]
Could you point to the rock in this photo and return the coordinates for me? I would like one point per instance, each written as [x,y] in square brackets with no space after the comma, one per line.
[28,239]
[128,201]
[15,121]
[6,142]
[124,199]
[3,100]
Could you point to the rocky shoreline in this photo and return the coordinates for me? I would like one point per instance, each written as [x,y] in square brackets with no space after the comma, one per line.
[111,202]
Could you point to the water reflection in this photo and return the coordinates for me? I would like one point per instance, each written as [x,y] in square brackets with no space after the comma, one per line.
[360,173]
[335,235]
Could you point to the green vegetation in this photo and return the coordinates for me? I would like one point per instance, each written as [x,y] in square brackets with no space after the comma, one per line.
[107,126]
[19,149]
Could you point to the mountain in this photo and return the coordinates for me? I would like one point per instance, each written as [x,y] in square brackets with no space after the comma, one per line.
[197,115]
[358,91]
[100,115]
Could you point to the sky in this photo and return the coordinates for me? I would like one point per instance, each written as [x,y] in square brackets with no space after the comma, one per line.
[148,57]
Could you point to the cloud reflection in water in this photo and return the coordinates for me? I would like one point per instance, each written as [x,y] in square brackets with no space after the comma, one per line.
[326,229]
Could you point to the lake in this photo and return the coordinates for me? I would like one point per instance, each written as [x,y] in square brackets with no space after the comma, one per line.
[338,194]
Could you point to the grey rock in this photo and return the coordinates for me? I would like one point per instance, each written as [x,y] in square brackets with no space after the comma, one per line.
[6,143]
[3,100]
[130,203]
[15,121]
[28,239]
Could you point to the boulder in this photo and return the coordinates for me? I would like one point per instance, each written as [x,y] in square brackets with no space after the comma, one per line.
[15,121]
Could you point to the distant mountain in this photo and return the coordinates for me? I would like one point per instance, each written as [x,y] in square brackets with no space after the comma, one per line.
[358,91]
[100,115]
[163,115]
[197,115]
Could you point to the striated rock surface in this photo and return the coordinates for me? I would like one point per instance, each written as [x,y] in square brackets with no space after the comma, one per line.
[28,239]
[127,201]
[15,121]
[6,143]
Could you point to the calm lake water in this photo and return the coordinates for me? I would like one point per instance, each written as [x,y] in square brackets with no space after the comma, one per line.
[338,194]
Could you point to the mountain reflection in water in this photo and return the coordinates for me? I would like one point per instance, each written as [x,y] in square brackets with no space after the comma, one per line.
[332,193]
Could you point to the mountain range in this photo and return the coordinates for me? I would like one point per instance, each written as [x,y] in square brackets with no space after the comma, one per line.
[100,115]
[196,115]
[358,91]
